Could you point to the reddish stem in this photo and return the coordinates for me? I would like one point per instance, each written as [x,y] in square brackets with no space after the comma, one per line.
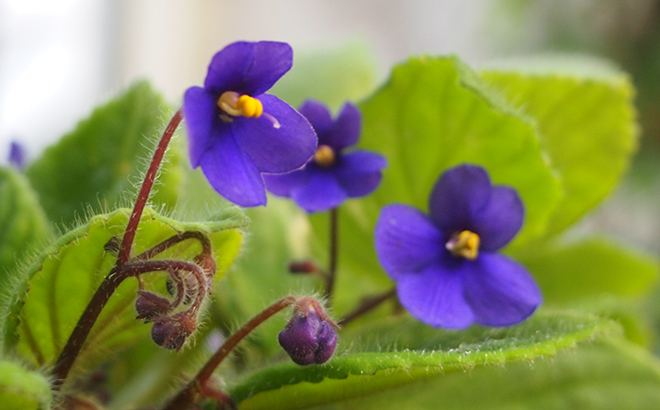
[334,239]
[191,392]
[145,190]
[367,306]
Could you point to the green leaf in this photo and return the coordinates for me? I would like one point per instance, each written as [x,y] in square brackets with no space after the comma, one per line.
[51,295]
[587,123]
[403,352]
[606,375]
[332,76]
[97,163]
[431,115]
[23,224]
[591,268]
[22,389]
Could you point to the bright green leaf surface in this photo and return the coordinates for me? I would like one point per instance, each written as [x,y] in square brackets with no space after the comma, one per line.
[21,389]
[23,224]
[587,124]
[607,375]
[62,281]
[431,115]
[402,351]
[101,160]
[588,269]
[332,76]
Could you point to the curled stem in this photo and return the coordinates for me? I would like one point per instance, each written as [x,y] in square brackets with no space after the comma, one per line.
[189,394]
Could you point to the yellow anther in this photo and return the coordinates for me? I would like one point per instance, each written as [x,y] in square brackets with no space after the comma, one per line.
[324,156]
[240,105]
[251,107]
[465,244]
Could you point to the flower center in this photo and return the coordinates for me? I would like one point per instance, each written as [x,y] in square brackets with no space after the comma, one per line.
[240,105]
[465,244]
[324,156]
[233,104]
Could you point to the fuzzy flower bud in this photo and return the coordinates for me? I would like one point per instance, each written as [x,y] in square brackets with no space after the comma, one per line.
[310,336]
[150,305]
[172,332]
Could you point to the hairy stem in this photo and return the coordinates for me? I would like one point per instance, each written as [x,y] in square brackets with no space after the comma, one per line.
[367,306]
[334,239]
[84,326]
[117,274]
[180,237]
[191,392]
[145,190]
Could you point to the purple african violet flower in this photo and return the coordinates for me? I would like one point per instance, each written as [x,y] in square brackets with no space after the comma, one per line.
[445,264]
[17,155]
[332,175]
[236,132]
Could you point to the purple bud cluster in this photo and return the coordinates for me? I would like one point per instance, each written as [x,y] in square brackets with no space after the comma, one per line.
[171,330]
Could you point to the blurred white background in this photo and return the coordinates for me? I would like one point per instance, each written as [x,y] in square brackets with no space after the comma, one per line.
[59,58]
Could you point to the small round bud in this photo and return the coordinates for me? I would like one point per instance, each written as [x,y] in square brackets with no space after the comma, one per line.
[172,332]
[150,305]
[305,267]
[309,338]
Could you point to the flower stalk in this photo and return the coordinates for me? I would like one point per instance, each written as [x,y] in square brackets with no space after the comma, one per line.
[123,268]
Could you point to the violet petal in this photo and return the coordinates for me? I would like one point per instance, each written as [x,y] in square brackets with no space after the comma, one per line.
[500,220]
[406,240]
[458,195]
[321,193]
[500,291]
[346,129]
[199,111]
[360,172]
[284,184]
[435,296]
[248,68]
[276,150]
[232,173]
[318,115]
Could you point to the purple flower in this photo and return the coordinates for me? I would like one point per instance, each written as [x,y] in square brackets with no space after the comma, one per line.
[332,175]
[236,132]
[17,155]
[445,264]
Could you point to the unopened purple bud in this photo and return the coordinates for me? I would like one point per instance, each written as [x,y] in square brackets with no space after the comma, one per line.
[308,339]
[172,332]
[150,305]
[17,155]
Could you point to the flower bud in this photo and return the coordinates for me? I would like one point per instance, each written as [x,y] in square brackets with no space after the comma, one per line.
[172,332]
[150,305]
[310,336]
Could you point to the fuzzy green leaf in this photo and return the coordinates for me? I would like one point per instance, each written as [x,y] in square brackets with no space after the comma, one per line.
[403,352]
[46,301]
[22,389]
[23,224]
[587,123]
[97,163]
[606,375]
[433,114]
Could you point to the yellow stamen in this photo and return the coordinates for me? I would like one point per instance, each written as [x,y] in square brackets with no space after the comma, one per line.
[240,105]
[324,156]
[251,107]
[465,244]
